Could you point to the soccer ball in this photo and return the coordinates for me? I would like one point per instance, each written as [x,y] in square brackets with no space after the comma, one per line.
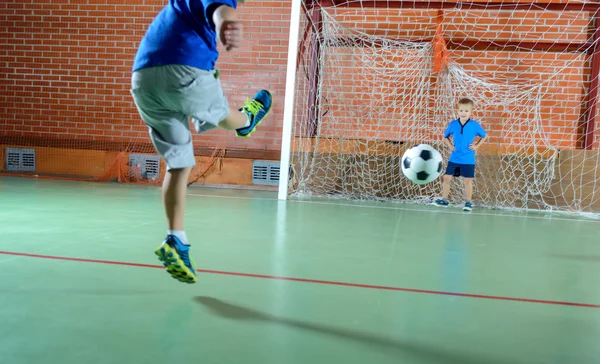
[422,164]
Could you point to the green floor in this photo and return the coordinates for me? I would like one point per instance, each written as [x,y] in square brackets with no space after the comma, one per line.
[73,312]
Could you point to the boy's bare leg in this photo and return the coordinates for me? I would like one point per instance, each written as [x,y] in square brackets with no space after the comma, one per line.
[469,188]
[174,251]
[445,191]
[235,120]
[446,186]
[174,195]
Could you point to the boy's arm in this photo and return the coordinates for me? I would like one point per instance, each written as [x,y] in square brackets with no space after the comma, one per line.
[448,142]
[482,134]
[447,135]
[223,12]
[211,6]
[223,15]
[228,28]
[477,144]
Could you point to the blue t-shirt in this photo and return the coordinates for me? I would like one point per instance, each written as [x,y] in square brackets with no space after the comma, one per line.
[183,33]
[463,136]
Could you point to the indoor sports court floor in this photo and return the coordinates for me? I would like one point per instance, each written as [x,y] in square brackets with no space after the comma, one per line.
[290,282]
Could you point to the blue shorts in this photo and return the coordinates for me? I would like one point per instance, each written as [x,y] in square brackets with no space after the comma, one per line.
[458,170]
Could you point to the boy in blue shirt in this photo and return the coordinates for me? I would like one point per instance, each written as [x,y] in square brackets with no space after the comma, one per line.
[463,132]
[174,80]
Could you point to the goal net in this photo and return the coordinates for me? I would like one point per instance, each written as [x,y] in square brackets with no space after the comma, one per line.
[376,77]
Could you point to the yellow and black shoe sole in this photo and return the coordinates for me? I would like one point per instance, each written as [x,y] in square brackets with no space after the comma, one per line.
[174,264]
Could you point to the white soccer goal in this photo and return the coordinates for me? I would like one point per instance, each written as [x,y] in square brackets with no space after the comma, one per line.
[368,79]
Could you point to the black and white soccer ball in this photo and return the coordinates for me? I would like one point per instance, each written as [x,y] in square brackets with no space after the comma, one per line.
[422,164]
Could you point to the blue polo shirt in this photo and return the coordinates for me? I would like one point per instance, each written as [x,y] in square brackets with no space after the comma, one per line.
[183,33]
[463,135]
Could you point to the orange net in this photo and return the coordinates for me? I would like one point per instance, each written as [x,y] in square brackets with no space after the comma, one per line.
[133,162]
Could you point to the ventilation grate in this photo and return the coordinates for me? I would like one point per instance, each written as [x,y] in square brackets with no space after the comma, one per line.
[274,173]
[265,173]
[22,160]
[153,167]
[148,166]
[13,160]
[260,173]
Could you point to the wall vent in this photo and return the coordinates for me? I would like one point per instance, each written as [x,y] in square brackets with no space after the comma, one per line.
[148,166]
[265,173]
[20,160]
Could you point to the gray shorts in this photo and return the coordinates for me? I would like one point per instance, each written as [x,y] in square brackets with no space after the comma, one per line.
[166,96]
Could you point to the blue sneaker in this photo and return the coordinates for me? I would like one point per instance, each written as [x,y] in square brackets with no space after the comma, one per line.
[175,256]
[256,109]
[441,202]
[468,206]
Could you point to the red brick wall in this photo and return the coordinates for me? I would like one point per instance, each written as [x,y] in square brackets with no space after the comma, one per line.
[372,93]
[65,69]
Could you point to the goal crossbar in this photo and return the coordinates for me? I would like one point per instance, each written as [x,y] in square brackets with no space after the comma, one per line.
[467,5]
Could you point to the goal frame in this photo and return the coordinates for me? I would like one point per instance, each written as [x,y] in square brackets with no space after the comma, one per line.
[313,14]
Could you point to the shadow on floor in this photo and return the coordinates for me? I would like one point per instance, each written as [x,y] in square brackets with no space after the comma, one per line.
[424,352]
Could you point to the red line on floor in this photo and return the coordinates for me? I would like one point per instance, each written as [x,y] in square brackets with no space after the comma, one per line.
[81,260]
[317,281]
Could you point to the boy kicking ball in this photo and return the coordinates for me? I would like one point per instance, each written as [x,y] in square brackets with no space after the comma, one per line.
[463,132]
[174,79]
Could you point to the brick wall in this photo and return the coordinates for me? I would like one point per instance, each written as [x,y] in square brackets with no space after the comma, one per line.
[372,92]
[65,69]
